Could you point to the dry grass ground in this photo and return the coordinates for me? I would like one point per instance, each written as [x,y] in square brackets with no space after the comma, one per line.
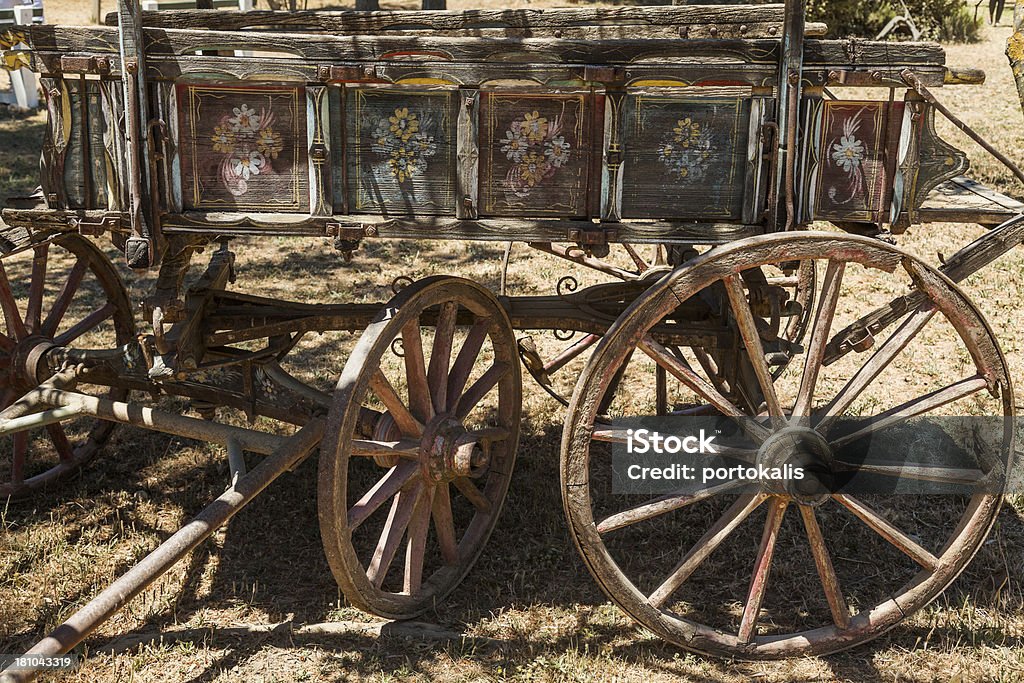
[531,604]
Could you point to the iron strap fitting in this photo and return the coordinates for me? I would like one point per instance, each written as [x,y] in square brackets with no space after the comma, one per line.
[108,223]
[329,73]
[585,237]
[88,64]
[350,232]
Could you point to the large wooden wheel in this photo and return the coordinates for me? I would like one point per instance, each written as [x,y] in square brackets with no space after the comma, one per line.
[420,445]
[697,567]
[60,293]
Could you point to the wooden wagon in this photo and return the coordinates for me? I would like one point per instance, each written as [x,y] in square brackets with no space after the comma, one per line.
[679,152]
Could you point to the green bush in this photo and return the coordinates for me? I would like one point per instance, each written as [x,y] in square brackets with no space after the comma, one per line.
[942,20]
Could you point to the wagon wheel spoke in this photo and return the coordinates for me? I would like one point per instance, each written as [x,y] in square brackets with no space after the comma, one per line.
[416,546]
[914,407]
[15,325]
[472,494]
[762,567]
[86,324]
[819,338]
[702,387]
[6,345]
[441,355]
[60,441]
[661,506]
[826,572]
[887,530]
[476,391]
[874,366]
[700,551]
[385,391]
[391,535]
[386,487]
[405,448]
[466,360]
[416,372]
[64,298]
[444,525]
[752,343]
[33,311]
[710,367]
[917,471]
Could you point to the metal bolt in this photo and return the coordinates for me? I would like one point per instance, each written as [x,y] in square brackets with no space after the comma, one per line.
[833,76]
[876,76]
[370,231]
[772,31]
[743,28]
[714,31]
[558,34]
[684,31]
[131,66]
[323,73]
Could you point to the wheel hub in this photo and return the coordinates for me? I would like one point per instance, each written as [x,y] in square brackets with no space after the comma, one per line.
[28,367]
[449,451]
[803,448]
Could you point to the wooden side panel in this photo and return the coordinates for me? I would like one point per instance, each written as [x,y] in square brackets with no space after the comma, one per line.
[852,174]
[685,157]
[401,150]
[55,143]
[97,198]
[115,175]
[243,148]
[535,153]
[75,166]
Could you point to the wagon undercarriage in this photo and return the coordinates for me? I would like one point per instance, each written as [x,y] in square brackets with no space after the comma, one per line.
[678,168]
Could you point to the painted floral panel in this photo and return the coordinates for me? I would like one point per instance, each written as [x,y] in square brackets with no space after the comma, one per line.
[535,154]
[401,151]
[244,148]
[684,157]
[851,161]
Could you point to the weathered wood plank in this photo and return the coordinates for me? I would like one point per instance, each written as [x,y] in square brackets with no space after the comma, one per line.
[692,72]
[72,40]
[757,19]
[440,227]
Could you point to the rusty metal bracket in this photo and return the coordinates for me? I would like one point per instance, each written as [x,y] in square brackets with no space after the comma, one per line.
[584,237]
[329,73]
[110,222]
[85,64]
[347,232]
[604,74]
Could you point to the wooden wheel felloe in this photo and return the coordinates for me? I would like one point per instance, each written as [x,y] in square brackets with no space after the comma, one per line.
[60,293]
[419,448]
[697,569]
